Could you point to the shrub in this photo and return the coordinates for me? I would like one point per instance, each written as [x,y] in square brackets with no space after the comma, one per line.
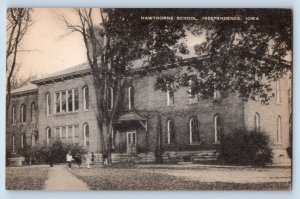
[245,147]
[56,151]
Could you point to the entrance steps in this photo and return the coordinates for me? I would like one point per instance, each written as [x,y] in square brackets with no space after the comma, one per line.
[190,156]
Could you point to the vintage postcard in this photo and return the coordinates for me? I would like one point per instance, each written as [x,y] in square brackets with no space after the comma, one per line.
[148,99]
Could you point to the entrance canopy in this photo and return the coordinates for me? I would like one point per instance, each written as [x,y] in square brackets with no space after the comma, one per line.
[131,118]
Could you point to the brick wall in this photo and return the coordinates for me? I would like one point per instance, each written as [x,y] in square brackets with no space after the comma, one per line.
[269,113]
[79,117]
[154,102]
[19,128]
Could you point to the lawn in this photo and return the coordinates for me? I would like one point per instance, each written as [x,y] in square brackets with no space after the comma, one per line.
[26,178]
[136,179]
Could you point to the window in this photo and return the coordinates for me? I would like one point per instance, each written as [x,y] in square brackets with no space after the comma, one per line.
[171,132]
[110,98]
[85,98]
[193,98]
[70,132]
[278,92]
[218,128]
[76,99]
[63,132]
[86,135]
[48,103]
[194,131]
[217,94]
[48,135]
[279,128]
[57,102]
[76,131]
[33,112]
[23,140]
[256,121]
[23,114]
[130,97]
[70,101]
[66,101]
[13,143]
[170,97]
[63,101]
[14,115]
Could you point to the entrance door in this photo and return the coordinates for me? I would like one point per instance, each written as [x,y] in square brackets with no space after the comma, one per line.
[131,142]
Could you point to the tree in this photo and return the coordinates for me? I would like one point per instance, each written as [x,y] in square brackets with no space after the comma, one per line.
[243,57]
[18,22]
[112,45]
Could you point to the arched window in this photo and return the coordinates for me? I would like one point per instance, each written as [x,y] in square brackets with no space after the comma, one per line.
[85,98]
[218,128]
[170,97]
[48,135]
[170,132]
[130,97]
[13,143]
[48,103]
[278,92]
[23,113]
[86,135]
[14,115]
[110,98]
[32,112]
[23,140]
[279,129]
[217,94]
[194,131]
[256,121]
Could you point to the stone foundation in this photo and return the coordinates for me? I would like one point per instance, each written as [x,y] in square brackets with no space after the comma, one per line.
[16,161]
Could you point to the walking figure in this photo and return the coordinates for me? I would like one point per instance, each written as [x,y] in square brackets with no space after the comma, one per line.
[69,159]
[88,159]
[93,158]
[78,159]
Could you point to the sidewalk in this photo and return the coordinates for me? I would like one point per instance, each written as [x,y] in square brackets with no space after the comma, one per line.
[60,179]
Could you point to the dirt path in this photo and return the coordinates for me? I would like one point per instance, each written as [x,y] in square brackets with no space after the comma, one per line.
[60,179]
[230,175]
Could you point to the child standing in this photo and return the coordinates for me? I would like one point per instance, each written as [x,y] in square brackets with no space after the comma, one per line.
[69,159]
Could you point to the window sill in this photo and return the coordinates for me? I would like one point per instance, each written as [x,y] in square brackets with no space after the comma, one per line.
[66,113]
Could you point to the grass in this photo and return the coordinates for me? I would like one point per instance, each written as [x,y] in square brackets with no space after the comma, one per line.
[26,178]
[135,179]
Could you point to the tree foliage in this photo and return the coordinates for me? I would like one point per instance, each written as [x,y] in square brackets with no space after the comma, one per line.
[244,57]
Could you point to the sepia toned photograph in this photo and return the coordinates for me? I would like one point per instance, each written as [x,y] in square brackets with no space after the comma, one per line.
[148,99]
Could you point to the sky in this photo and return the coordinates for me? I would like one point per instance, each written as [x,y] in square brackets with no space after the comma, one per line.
[46,50]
